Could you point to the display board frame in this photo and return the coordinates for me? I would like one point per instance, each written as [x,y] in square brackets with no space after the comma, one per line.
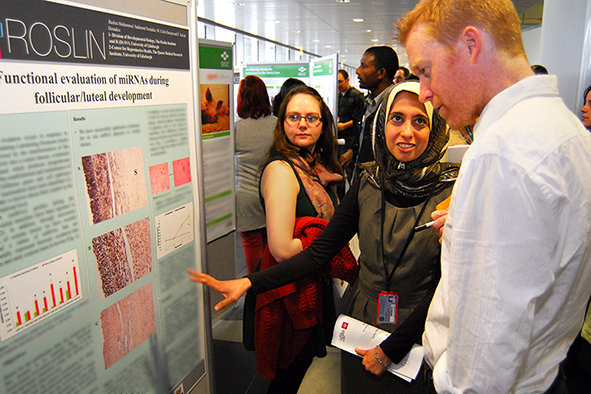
[101,200]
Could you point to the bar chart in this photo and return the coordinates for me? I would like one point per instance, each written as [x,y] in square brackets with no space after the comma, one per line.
[31,295]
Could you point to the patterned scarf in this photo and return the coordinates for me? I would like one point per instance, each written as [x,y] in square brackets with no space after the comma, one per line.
[315,180]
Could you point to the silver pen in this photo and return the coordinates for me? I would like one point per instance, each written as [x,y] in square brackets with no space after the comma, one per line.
[425,226]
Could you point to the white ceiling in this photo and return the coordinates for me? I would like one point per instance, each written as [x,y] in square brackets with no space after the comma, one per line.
[321,27]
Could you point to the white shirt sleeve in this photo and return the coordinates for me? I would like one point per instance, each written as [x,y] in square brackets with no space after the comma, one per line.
[496,257]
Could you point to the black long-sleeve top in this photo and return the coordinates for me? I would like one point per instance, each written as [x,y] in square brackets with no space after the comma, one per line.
[339,231]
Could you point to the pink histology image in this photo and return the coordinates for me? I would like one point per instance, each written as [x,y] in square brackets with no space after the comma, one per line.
[115,183]
[182,171]
[123,256]
[127,324]
[159,178]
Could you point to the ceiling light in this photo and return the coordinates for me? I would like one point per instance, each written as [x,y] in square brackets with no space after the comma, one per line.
[239,4]
[298,32]
[315,40]
[343,1]
[277,21]
[374,40]
[358,20]
[368,31]
[328,46]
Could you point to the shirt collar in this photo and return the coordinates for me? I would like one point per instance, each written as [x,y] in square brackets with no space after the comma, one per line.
[373,103]
[534,86]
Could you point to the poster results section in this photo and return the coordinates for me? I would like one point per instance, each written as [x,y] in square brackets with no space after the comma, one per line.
[97,209]
[216,80]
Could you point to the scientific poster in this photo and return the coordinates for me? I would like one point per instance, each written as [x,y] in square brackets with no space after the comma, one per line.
[274,74]
[97,199]
[324,79]
[216,81]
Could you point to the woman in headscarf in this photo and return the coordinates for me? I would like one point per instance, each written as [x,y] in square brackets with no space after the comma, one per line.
[394,195]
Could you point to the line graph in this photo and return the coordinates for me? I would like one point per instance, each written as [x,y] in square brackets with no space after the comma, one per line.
[174,229]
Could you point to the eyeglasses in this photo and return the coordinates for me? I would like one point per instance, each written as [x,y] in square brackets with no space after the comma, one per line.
[294,119]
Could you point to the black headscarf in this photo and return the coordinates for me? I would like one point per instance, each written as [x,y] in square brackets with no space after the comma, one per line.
[415,180]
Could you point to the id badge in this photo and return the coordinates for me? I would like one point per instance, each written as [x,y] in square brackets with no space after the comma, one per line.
[387,307]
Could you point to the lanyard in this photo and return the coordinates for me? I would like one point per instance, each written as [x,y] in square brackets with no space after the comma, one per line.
[470,135]
[408,238]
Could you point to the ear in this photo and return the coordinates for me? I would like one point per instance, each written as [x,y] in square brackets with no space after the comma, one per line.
[471,42]
[381,73]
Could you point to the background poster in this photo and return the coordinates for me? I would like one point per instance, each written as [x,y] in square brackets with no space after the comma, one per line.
[324,79]
[274,74]
[97,203]
[216,81]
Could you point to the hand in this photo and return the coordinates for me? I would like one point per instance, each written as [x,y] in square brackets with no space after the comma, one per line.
[439,218]
[346,157]
[232,290]
[341,126]
[371,362]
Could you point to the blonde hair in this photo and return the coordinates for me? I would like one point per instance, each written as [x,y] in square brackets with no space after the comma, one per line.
[446,19]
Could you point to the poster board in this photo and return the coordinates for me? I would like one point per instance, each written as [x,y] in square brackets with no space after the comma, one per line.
[99,203]
[324,79]
[320,73]
[216,86]
[275,73]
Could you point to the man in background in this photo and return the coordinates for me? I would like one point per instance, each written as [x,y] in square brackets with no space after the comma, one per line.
[586,109]
[516,249]
[401,74]
[375,73]
[351,107]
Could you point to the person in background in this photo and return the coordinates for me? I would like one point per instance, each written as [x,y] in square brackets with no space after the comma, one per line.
[351,107]
[577,365]
[586,110]
[538,69]
[375,73]
[298,179]
[401,74]
[253,136]
[516,244]
[391,197]
[287,85]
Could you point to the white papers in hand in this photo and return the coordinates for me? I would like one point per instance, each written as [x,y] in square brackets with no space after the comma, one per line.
[350,333]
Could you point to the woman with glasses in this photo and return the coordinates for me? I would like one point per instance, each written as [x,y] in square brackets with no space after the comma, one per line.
[297,180]
[394,195]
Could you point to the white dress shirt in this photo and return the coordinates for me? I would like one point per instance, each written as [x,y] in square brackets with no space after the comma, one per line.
[516,252]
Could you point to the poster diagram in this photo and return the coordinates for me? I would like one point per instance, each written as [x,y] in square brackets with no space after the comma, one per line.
[31,295]
[127,324]
[123,256]
[174,229]
[115,183]
[159,178]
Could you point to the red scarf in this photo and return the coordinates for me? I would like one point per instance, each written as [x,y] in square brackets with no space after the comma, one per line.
[285,317]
